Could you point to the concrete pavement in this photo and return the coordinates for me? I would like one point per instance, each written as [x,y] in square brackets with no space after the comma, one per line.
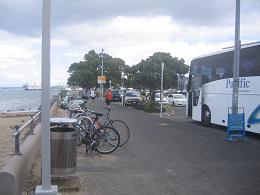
[170,156]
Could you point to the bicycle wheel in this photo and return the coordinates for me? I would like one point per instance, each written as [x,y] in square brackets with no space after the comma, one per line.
[107,140]
[84,125]
[122,129]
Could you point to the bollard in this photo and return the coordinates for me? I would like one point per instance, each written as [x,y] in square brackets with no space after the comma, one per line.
[17,141]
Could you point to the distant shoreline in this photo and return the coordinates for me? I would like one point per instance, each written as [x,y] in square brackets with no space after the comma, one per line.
[9,114]
[11,87]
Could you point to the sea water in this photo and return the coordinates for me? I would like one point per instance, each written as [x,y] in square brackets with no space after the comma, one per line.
[18,99]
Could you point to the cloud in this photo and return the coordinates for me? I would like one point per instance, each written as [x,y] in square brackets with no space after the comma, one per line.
[24,17]
[19,57]
[131,30]
[20,60]
[135,38]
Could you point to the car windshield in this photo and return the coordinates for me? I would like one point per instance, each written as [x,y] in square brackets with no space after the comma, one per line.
[131,94]
[115,93]
[178,96]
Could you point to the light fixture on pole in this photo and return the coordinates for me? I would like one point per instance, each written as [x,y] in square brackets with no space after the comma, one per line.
[162,69]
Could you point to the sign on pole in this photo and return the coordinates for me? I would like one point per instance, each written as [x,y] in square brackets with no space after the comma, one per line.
[101,79]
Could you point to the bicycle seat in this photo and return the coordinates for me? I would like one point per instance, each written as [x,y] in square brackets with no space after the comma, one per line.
[97,113]
[77,111]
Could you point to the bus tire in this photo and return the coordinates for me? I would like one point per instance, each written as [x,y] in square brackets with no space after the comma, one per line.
[206,117]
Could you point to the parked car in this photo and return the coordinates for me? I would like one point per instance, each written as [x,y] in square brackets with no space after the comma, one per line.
[132,97]
[116,97]
[157,98]
[177,99]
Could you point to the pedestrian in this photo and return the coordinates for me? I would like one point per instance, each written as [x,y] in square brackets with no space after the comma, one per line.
[85,94]
[108,97]
[93,95]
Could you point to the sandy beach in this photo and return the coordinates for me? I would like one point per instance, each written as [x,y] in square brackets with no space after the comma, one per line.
[8,121]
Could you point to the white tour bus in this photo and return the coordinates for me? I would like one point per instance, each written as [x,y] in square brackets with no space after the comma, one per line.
[209,89]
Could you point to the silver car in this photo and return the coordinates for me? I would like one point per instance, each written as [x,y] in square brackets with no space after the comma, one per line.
[177,99]
[132,97]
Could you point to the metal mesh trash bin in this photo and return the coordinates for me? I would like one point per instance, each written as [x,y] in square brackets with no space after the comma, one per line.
[63,150]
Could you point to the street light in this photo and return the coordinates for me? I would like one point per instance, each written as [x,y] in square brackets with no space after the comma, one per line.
[162,68]
[46,187]
[180,82]
[110,84]
[102,73]
[122,77]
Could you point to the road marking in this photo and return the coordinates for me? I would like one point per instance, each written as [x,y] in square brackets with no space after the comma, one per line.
[163,124]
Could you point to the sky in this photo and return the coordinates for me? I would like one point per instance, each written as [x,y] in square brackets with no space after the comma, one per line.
[129,29]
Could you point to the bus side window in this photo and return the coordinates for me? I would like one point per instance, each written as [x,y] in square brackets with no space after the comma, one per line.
[220,72]
[250,62]
[247,68]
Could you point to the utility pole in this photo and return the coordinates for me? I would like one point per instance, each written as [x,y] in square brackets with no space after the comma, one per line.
[236,61]
[122,77]
[46,188]
[102,74]
[162,68]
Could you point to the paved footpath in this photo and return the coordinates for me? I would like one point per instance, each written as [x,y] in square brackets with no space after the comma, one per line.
[168,156]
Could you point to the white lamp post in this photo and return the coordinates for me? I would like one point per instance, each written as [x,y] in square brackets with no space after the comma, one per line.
[102,74]
[46,188]
[162,68]
[110,84]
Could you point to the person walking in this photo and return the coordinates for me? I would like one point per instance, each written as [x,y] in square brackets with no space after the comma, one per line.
[108,97]
[93,95]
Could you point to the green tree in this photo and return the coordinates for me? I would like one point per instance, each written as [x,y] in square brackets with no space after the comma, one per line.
[147,73]
[84,73]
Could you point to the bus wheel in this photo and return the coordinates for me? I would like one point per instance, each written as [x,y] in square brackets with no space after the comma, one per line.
[206,117]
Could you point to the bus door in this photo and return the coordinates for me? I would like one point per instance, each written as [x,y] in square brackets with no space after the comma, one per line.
[196,98]
[189,104]
[196,105]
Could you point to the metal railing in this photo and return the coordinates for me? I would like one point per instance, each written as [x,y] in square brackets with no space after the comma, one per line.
[31,124]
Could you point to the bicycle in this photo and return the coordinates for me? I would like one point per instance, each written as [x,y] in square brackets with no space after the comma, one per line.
[119,125]
[103,139]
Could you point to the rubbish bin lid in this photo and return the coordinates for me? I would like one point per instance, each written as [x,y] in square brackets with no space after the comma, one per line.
[62,120]
[62,129]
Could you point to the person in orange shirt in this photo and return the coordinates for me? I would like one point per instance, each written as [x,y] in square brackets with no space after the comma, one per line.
[108,97]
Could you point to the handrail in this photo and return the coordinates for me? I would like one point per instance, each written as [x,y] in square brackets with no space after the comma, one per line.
[18,131]
[30,122]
